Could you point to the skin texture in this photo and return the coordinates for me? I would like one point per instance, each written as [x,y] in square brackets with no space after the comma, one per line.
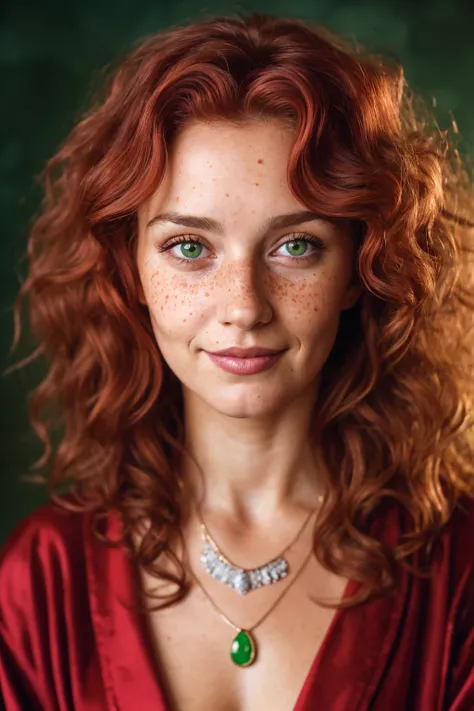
[245,288]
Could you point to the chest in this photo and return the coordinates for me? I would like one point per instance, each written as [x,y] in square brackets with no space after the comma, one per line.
[192,644]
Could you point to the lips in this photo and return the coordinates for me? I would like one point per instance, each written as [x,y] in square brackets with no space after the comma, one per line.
[245,361]
[254,352]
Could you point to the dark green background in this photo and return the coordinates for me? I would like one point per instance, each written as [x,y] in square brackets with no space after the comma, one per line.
[50,53]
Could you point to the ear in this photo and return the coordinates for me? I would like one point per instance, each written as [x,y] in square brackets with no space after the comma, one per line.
[352,295]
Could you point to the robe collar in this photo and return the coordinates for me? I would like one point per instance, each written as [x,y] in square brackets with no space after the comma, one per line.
[344,675]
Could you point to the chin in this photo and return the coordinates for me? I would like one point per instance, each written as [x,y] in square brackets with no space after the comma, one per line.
[239,411]
[245,400]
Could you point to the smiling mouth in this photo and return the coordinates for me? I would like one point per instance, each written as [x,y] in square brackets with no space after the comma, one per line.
[247,365]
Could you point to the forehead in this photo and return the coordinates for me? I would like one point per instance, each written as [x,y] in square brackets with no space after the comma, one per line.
[208,135]
[239,164]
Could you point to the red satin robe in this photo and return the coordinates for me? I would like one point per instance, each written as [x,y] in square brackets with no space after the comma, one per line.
[68,643]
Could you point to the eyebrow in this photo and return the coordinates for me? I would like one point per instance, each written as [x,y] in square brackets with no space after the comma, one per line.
[207,223]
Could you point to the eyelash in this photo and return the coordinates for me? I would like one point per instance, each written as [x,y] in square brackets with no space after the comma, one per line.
[295,237]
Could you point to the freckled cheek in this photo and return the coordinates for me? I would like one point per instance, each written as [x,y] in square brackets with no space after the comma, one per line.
[300,300]
[176,303]
[309,308]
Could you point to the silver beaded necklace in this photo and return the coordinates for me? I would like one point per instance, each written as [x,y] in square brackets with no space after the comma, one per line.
[244,580]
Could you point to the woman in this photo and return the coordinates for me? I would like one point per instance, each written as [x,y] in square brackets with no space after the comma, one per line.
[251,279]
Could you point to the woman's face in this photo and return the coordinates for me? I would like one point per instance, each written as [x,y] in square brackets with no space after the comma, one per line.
[236,280]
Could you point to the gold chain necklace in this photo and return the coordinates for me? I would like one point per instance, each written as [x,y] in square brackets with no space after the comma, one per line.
[244,580]
[244,647]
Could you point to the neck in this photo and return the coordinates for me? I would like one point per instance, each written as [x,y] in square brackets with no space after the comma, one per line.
[250,470]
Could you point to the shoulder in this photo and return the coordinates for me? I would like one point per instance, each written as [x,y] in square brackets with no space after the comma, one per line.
[451,554]
[463,516]
[47,633]
[43,547]
[459,557]
[46,529]
[458,538]
[452,585]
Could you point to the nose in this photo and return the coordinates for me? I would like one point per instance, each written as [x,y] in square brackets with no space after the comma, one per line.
[242,300]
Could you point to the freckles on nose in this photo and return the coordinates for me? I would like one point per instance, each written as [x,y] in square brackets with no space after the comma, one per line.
[294,298]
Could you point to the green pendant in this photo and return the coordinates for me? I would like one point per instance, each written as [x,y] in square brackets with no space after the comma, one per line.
[244,649]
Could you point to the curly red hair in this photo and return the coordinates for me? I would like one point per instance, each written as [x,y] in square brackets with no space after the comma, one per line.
[392,421]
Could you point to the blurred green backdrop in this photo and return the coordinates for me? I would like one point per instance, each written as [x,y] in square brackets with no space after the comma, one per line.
[51,52]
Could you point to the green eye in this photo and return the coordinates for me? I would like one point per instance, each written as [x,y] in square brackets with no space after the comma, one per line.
[191,249]
[297,247]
